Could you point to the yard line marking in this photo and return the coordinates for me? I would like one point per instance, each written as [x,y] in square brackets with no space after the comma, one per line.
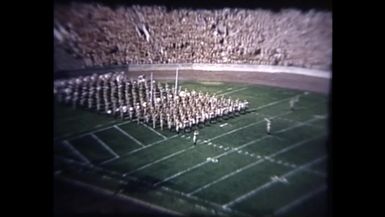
[104,145]
[233,91]
[268,184]
[180,173]
[72,161]
[223,154]
[250,165]
[206,202]
[223,90]
[218,156]
[275,102]
[126,122]
[92,131]
[222,125]
[316,172]
[157,161]
[218,92]
[128,135]
[218,206]
[252,124]
[299,200]
[122,196]
[320,116]
[75,151]
[89,133]
[108,160]
[139,149]
[296,125]
[294,121]
[159,134]
[235,130]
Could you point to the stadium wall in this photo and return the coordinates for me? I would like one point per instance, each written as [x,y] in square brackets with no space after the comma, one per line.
[279,76]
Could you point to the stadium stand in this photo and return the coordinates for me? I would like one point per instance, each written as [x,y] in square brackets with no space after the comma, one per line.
[101,35]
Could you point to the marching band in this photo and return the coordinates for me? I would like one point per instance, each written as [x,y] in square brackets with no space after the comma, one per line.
[145,100]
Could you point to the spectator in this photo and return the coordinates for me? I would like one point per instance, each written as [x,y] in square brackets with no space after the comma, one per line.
[101,35]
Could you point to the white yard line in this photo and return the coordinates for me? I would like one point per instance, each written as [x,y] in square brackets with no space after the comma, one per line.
[241,128]
[224,177]
[201,200]
[75,151]
[233,91]
[275,102]
[218,156]
[205,162]
[238,213]
[223,90]
[300,200]
[251,165]
[71,161]
[93,130]
[104,145]
[109,160]
[291,165]
[89,133]
[159,134]
[180,173]
[293,121]
[296,125]
[164,188]
[249,125]
[122,196]
[315,172]
[268,184]
[139,149]
[159,160]
[252,124]
[128,135]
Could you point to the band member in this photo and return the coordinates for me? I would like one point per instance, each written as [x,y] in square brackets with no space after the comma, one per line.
[196,133]
[292,102]
[268,124]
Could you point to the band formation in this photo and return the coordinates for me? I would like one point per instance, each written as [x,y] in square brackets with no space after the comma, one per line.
[146,101]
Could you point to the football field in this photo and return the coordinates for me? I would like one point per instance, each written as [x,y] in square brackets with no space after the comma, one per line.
[256,174]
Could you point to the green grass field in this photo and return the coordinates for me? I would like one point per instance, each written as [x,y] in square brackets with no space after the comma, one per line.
[164,168]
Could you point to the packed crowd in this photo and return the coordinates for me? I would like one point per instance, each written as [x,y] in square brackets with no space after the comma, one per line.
[145,100]
[102,35]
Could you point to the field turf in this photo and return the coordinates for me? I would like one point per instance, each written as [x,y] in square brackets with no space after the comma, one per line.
[165,169]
